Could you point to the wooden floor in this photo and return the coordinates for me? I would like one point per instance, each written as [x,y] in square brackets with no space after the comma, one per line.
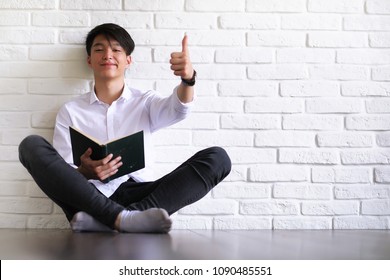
[18,244]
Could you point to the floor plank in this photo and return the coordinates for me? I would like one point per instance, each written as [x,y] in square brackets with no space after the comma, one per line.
[196,245]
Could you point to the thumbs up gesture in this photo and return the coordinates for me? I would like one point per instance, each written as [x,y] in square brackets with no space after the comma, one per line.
[180,61]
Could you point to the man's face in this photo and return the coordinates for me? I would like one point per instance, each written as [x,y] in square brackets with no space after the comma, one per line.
[108,59]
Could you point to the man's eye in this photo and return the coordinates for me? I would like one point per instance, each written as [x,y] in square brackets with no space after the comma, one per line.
[117,50]
[98,50]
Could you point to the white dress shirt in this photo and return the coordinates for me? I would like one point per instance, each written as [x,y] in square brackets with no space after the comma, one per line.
[131,112]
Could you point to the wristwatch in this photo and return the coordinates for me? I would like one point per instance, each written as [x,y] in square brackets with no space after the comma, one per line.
[189,82]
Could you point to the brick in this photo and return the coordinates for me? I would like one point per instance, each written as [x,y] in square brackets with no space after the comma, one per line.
[59,86]
[75,69]
[302,191]
[63,19]
[365,156]
[186,21]
[43,119]
[221,72]
[243,55]
[337,39]
[48,222]
[29,69]
[381,73]
[198,55]
[249,121]
[379,40]
[153,5]
[73,37]
[368,57]
[302,223]
[14,137]
[276,6]
[172,154]
[185,222]
[241,190]
[311,22]
[248,88]
[365,89]
[216,5]
[274,207]
[367,23]
[344,139]
[199,121]
[15,188]
[13,53]
[14,18]
[222,138]
[309,88]
[13,221]
[14,120]
[125,19]
[210,207]
[168,137]
[378,7]
[13,86]
[219,105]
[383,139]
[371,122]
[9,153]
[248,21]
[362,192]
[57,53]
[312,122]
[336,6]
[376,207]
[382,174]
[360,223]
[16,36]
[281,138]
[333,105]
[338,72]
[31,103]
[276,39]
[28,4]
[308,156]
[90,5]
[330,208]
[273,105]
[25,205]
[341,175]
[252,155]
[228,38]
[242,223]
[292,55]
[282,173]
[277,72]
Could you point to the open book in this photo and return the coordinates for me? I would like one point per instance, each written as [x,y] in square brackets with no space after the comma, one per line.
[130,148]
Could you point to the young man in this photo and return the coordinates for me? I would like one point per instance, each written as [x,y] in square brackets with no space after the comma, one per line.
[134,202]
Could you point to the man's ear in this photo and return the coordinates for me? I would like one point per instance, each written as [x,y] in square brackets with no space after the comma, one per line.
[89,60]
[129,60]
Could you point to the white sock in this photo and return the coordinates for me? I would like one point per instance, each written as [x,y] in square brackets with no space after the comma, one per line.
[148,221]
[82,221]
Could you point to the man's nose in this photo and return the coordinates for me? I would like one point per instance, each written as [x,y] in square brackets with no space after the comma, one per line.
[107,54]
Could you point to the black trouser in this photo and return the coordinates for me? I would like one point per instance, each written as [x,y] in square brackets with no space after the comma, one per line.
[73,192]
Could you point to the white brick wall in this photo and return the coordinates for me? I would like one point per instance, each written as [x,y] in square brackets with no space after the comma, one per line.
[297,91]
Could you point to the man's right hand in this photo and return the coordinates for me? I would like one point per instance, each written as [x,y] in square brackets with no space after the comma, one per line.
[98,169]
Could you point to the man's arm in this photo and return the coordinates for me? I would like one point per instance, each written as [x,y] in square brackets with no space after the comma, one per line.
[182,67]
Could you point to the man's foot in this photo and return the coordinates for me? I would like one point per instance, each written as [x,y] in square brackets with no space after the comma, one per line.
[82,221]
[154,220]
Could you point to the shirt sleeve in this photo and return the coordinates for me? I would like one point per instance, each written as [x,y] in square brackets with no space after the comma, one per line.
[61,137]
[166,111]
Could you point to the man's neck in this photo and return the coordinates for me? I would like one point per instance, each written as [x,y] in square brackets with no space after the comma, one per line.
[108,91]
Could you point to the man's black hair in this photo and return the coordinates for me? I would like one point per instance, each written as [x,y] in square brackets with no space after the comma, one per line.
[112,32]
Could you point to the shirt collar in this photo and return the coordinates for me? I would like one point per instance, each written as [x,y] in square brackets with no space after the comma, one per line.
[126,94]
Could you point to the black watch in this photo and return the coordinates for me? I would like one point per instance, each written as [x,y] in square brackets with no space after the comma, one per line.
[189,82]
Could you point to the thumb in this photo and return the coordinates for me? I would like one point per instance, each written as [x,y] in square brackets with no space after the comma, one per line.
[184,44]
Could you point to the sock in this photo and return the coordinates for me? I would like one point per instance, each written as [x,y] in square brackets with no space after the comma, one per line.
[82,221]
[148,221]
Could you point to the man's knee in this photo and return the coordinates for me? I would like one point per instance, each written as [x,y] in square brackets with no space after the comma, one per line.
[28,146]
[221,159]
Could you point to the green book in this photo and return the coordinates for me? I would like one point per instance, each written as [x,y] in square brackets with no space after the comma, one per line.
[130,148]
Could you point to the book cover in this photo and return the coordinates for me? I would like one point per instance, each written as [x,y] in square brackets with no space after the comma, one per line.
[130,148]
